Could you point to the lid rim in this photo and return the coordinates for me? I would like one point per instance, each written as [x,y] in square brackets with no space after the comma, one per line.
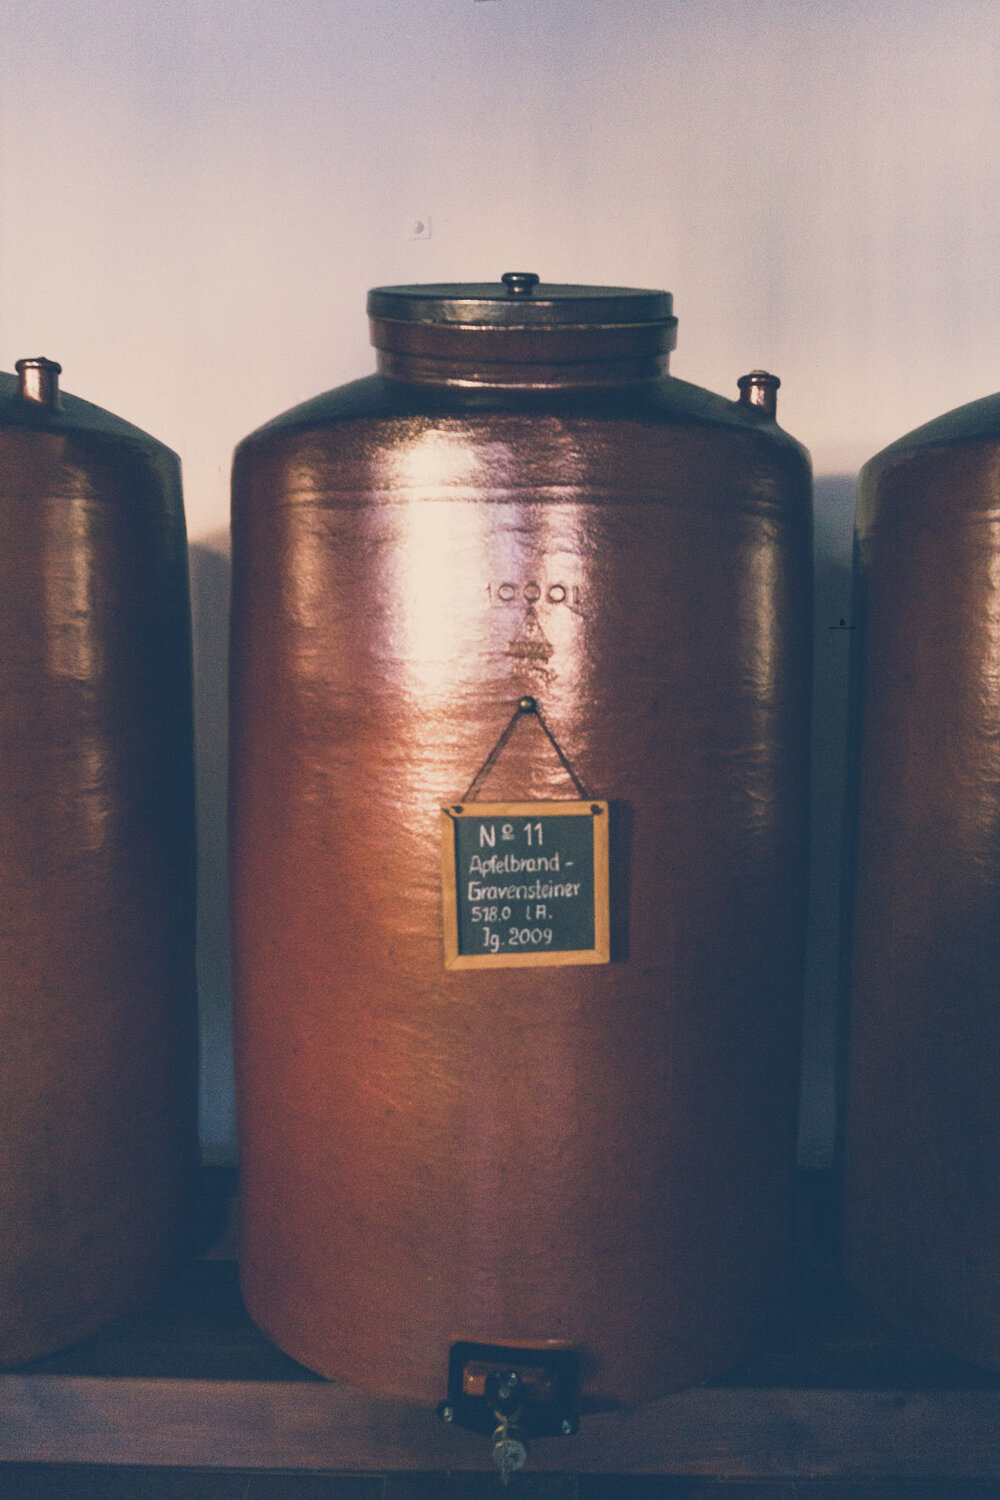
[505,327]
[491,305]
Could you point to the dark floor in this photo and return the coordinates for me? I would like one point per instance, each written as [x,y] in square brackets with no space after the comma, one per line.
[85,1482]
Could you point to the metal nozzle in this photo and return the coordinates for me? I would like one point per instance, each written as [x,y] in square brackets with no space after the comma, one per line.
[760,389]
[38,381]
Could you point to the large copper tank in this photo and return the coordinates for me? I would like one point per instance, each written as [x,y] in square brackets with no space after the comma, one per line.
[520,503]
[922,1158]
[97,1039]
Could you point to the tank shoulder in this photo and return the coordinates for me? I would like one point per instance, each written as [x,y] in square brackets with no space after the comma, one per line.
[661,401]
[679,400]
[372,396]
[72,415]
[976,420]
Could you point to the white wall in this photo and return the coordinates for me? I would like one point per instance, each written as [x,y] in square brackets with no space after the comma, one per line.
[196,194]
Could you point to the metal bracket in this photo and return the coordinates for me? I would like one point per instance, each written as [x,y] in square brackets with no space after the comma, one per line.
[511,1393]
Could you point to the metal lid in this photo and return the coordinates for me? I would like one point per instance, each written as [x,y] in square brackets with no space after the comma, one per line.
[520,300]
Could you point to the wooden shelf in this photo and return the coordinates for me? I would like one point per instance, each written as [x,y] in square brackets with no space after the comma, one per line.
[190,1381]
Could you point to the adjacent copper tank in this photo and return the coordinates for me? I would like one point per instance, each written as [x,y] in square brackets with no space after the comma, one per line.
[97,1040]
[922,1205]
[521,502]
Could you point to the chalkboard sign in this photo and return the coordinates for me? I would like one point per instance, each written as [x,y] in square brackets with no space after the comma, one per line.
[525,883]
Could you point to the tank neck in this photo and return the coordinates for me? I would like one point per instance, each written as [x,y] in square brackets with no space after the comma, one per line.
[519,371]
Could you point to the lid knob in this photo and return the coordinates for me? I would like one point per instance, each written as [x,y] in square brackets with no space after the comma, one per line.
[519,283]
[760,389]
[38,381]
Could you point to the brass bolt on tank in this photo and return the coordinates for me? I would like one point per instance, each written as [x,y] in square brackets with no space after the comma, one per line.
[38,381]
[760,390]
[519,283]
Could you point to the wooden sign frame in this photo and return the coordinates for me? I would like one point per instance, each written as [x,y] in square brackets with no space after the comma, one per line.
[598,814]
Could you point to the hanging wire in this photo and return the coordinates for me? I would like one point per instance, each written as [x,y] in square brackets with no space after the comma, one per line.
[525,707]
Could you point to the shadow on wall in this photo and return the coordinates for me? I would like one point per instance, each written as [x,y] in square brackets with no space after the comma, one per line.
[211,576]
[834,512]
[211,573]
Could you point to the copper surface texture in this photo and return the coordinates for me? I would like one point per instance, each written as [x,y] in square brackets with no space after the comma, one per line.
[97,1022]
[922,1189]
[594,1156]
